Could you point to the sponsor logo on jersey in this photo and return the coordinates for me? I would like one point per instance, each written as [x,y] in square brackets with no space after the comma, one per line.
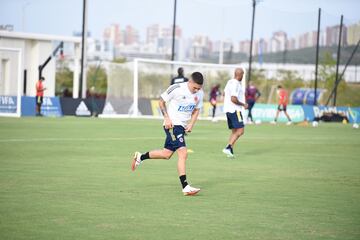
[188,108]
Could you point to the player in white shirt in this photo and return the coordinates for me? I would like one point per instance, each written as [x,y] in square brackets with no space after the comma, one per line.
[184,101]
[234,104]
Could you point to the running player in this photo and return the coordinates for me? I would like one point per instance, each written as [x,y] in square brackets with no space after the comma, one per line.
[283,99]
[39,95]
[214,93]
[180,78]
[252,95]
[234,103]
[184,102]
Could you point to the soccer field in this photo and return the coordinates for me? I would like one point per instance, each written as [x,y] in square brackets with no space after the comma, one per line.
[70,178]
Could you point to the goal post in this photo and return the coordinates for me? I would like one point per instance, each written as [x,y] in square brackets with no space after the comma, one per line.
[10,81]
[134,87]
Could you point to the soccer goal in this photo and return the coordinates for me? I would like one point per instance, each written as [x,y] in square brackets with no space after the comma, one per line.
[134,88]
[10,82]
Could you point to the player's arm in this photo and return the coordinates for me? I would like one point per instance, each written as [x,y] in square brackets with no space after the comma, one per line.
[234,92]
[236,101]
[167,120]
[193,119]
[164,98]
[258,94]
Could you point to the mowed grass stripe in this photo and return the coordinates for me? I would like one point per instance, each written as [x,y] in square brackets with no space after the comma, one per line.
[70,178]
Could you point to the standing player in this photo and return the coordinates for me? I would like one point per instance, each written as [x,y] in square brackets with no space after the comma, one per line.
[283,99]
[234,102]
[39,95]
[184,103]
[214,93]
[180,78]
[252,95]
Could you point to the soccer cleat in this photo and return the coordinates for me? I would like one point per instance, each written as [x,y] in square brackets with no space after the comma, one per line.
[273,122]
[189,191]
[228,152]
[136,161]
[289,123]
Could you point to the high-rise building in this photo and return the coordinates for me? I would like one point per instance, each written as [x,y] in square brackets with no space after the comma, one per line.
[292,44]
[152,33]
[114,35]
[353,34]
[244,46]
[166,32]
[201,47]
[307,39]
[278,42]
[98,49]
[322,40]
[332,36]
[259,47]
[159,39]
[131,35]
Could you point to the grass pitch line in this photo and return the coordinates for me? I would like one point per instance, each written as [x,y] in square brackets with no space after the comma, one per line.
[89,139]
[76,139]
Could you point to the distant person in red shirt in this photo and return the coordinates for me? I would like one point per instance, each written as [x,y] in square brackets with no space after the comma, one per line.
[252,94]
[39,95]
[283,99]
[214,93]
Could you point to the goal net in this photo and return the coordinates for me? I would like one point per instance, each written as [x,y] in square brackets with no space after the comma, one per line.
[134,88]
[10,82]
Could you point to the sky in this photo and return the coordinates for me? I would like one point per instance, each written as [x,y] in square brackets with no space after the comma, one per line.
[218,19]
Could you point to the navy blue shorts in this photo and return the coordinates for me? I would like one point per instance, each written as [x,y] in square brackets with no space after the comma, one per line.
[39,100]
[235,120]
[282,107]
[175,138]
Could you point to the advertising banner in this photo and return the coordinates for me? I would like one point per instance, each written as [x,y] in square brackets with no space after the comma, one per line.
[8,104]
[267,113]
[302,96]
[352,113]
[50,107]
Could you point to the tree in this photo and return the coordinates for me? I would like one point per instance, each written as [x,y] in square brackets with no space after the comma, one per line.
[327,74]
[63,81]
[97,78]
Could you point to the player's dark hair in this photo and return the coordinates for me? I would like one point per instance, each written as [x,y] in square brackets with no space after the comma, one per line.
[197,77]
[180,71]
[42,78]
[279,86]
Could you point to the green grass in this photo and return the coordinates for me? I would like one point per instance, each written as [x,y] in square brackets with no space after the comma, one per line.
[70,178]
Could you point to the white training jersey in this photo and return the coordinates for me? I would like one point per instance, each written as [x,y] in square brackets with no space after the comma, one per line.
[233,88]
[181,103]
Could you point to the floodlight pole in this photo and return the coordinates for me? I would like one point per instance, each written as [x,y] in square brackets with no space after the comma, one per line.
[317,58]
[252,37]
[173,34]
[338,61]
[82,88]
